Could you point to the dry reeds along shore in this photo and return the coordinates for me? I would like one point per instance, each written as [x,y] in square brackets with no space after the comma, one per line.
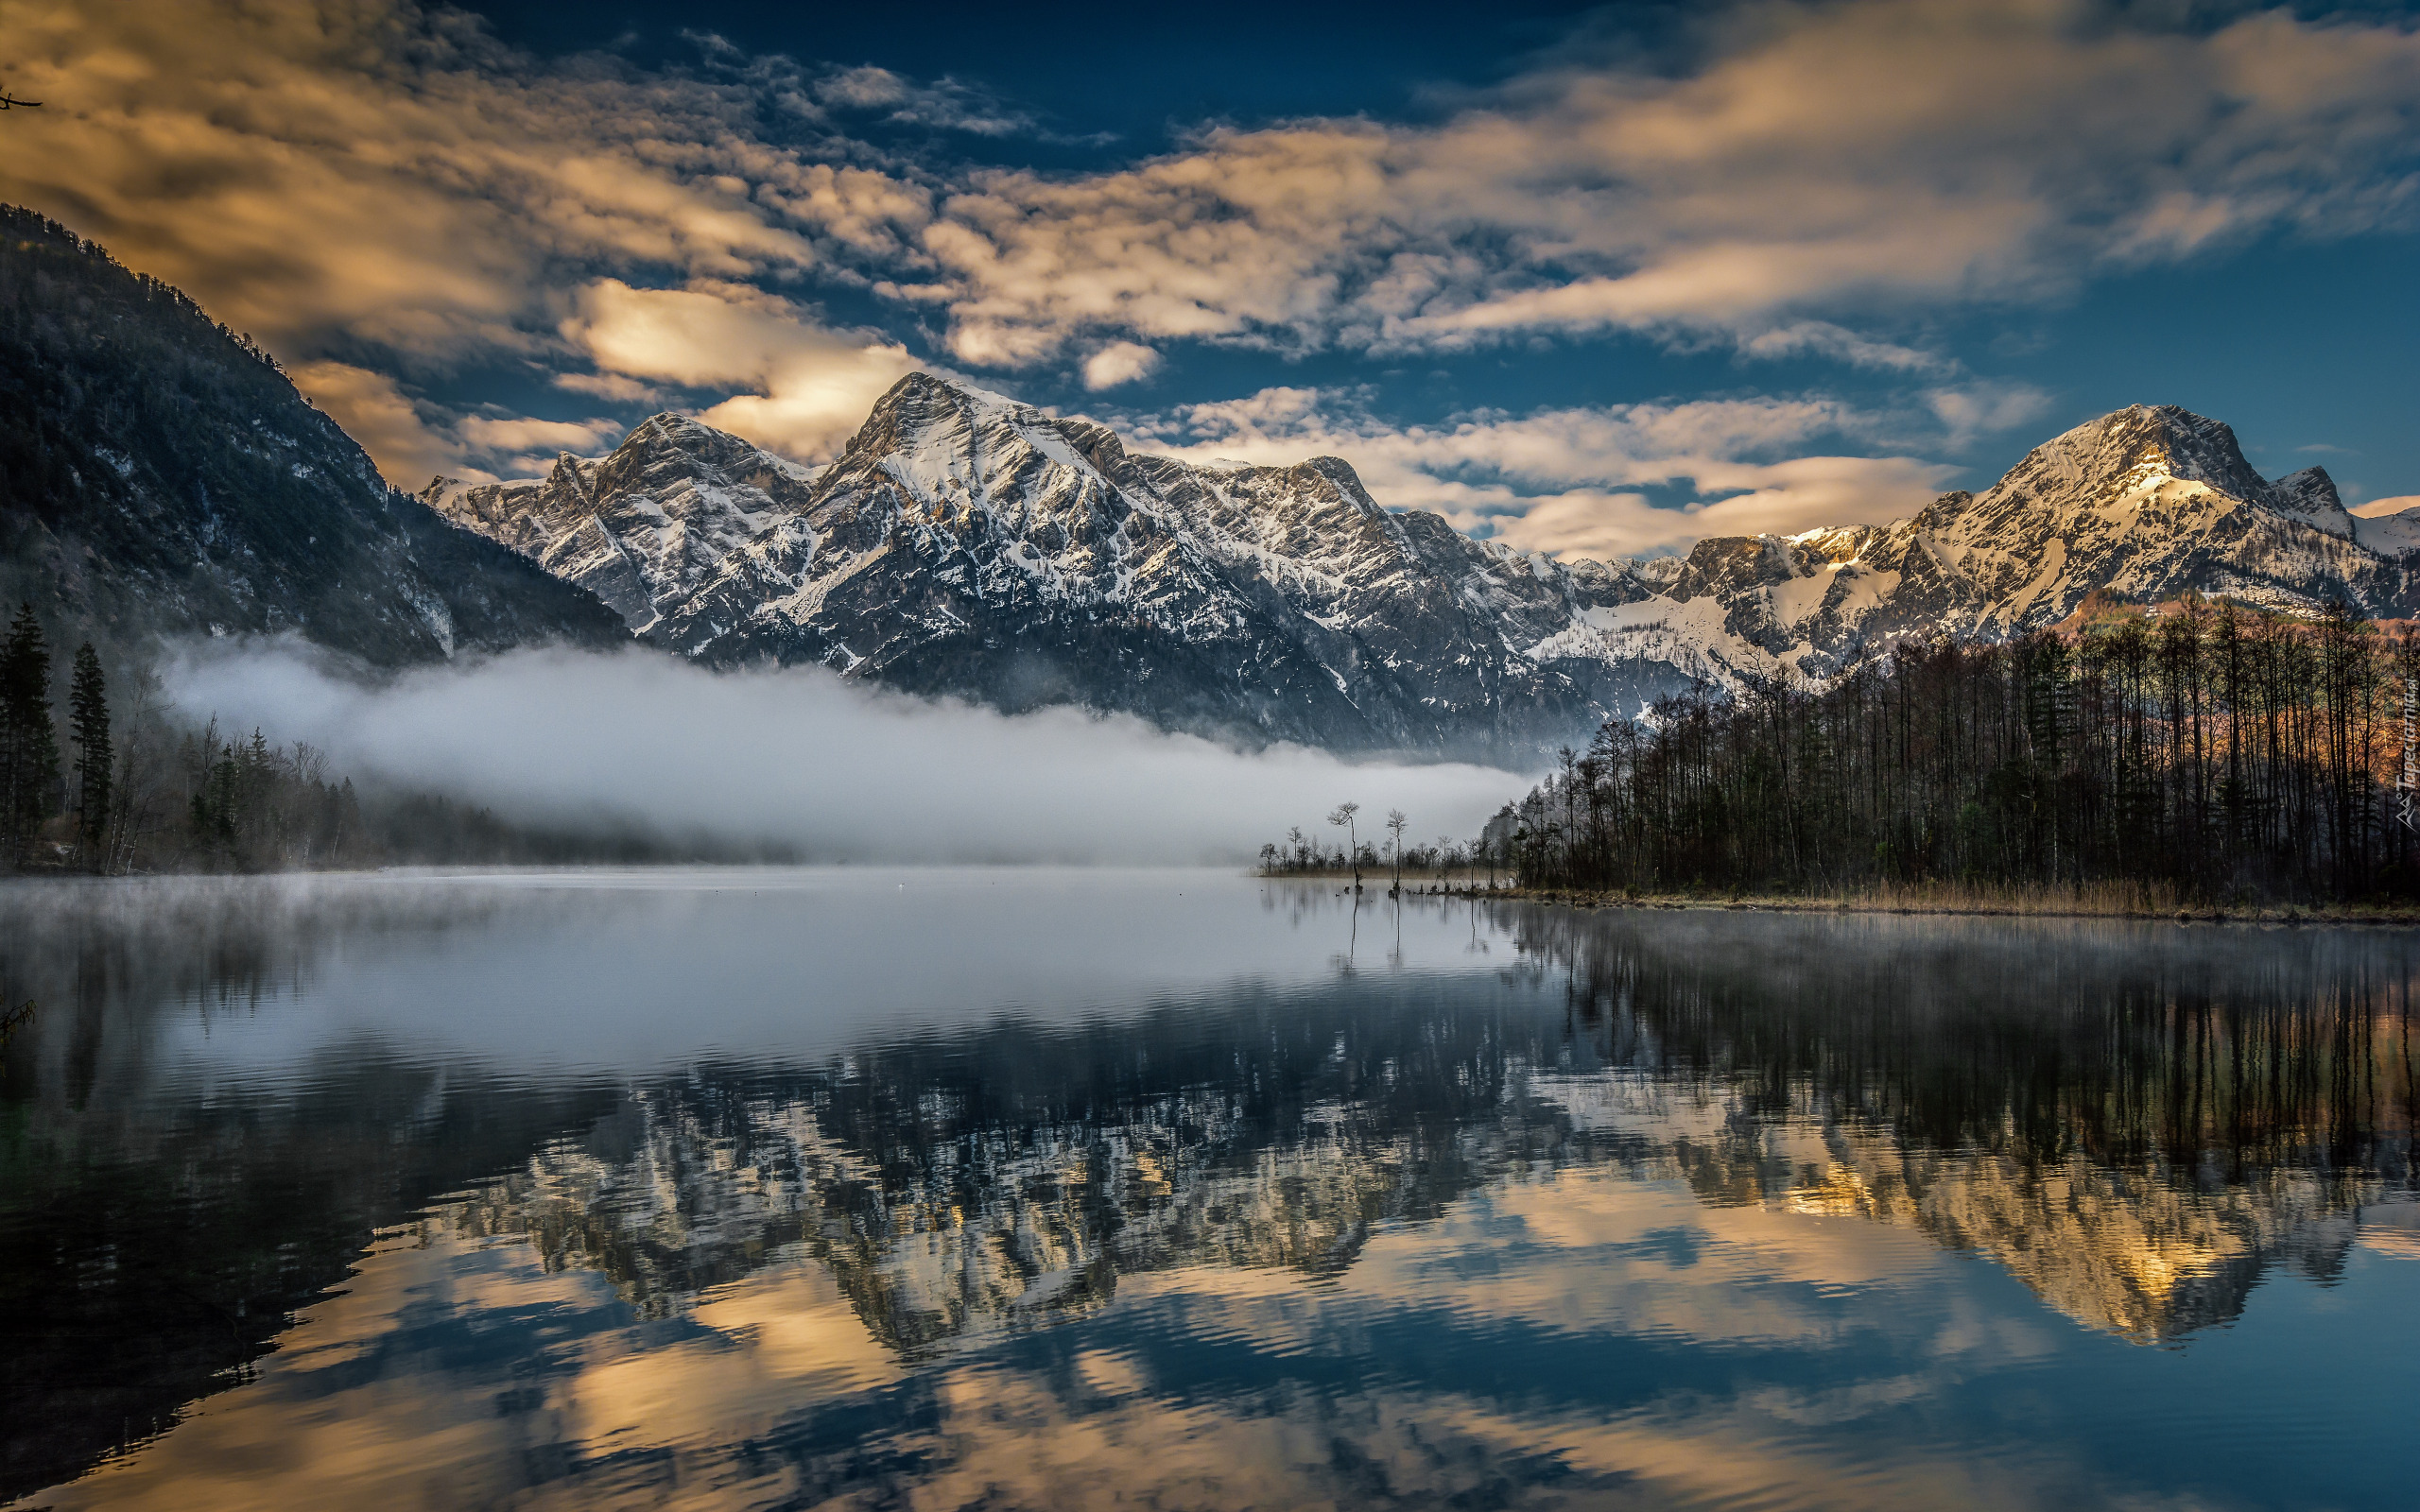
[2114,898]
[2102,900]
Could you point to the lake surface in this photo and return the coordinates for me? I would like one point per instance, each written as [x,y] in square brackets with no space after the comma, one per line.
[1088,1189]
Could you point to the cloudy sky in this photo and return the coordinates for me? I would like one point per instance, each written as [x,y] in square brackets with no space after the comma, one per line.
[1590,280]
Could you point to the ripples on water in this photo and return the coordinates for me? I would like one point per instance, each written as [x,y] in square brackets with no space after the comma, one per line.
[1074,1189]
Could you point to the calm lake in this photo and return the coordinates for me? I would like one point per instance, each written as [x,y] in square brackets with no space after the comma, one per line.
[1081,1189]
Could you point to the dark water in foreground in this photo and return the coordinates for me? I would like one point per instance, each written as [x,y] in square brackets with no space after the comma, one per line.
[1065,1190]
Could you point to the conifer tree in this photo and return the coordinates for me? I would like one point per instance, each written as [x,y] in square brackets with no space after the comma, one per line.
[28,745]
[89,727]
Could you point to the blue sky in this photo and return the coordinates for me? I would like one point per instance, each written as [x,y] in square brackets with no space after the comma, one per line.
[1591,279]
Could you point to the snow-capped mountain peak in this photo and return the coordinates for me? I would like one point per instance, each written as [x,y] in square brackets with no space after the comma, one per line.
[2146,502]
[966,543]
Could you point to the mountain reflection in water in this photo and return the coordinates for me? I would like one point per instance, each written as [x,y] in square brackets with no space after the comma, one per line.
[1068,1189]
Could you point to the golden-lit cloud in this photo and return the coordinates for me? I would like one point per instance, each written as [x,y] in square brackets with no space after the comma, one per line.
[393,175]
[1847,157]
[808,387]
[1568,481]
[386,196]
[364,170]
[377,191]
[2398,505]
[413,441]
[1120,362]
[375,411]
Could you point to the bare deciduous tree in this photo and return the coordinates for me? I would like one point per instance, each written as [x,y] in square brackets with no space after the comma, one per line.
[1342,818]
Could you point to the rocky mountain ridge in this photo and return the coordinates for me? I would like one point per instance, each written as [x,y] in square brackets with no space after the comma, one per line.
[2145,502]
[966,544]
[159,475]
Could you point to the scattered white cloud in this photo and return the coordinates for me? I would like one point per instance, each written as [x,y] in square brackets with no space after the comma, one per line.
[1120,362]
[837,94]
[1858,157]
[521,446]
[612,388]
[1821,338]
[392,174]
[1984,407]
[1620,480]
[2396,504]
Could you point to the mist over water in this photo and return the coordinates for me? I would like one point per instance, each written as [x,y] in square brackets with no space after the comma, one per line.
[806,761]
[797,757]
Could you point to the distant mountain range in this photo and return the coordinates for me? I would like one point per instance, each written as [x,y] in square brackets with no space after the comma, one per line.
[158,475]
[967,544]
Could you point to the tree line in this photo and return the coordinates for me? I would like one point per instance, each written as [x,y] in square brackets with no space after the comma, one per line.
[119,785]
[2222,751]
[127,790]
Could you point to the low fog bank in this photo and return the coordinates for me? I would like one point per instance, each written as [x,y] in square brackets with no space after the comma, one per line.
[798,760]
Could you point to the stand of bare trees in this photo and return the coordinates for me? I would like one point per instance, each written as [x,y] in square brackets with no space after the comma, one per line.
[2224,752]
[1446,859]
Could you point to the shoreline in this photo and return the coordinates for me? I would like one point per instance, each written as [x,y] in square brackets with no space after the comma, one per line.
[2284,915]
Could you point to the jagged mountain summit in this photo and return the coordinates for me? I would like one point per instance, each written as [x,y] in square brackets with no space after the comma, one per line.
[966,544]
[2145,502]
[159,475]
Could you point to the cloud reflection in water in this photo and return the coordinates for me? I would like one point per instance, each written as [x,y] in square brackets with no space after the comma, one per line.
[1652,1209]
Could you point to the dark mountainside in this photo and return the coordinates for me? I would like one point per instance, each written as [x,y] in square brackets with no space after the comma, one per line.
[159,475]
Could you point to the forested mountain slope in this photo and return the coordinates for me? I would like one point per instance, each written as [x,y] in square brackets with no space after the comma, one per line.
[159,475]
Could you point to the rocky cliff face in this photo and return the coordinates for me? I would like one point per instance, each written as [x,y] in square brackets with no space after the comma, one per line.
[965,545]
[158,475]
[2146,503]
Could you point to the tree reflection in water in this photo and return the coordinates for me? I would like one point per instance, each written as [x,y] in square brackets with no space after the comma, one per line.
[1638,1130]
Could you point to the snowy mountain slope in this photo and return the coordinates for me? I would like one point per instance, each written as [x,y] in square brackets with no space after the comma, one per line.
[642,528]
[2147,502]
[965,545]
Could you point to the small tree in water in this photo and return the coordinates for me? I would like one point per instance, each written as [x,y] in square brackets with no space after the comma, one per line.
[1343,819]
[1395,824]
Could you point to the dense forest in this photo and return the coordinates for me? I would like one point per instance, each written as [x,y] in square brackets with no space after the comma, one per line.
[121,786]
[2223,753]
[159,475]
